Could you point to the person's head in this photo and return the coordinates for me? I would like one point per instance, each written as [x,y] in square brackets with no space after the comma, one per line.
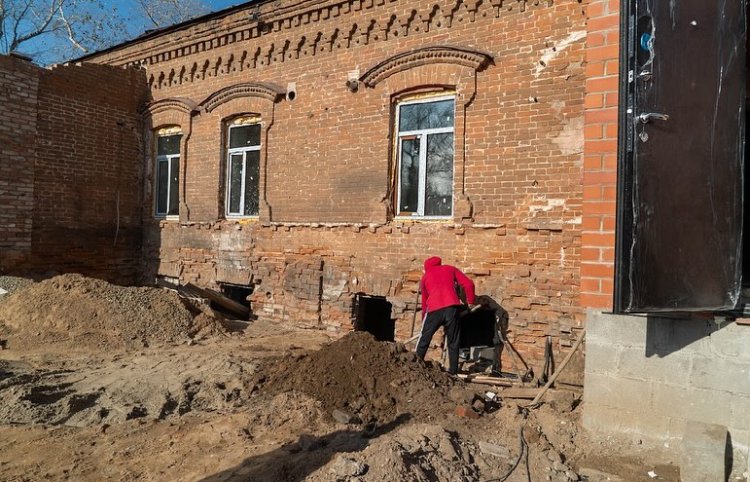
[432,261]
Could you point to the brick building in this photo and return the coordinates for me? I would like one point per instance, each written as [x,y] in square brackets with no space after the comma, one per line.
[316,150]
[309,152]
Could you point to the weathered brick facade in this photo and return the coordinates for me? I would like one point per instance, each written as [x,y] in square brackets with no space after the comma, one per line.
[326,228]
[69,176]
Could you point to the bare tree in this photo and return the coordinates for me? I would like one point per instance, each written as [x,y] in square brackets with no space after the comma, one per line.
[162,13]
[55,30]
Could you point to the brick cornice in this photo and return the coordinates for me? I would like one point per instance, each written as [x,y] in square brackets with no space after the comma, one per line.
[267,91]
[259,36]
[429,55]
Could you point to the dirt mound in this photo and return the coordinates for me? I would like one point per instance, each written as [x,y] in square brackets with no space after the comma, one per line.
[363,377]
[74,311]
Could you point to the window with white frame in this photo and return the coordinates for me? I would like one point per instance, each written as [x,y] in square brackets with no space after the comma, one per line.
[425,157]
[167,172]
[243,167]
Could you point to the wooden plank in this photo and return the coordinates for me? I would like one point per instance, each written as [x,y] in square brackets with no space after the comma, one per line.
[519,392]
[486,380]
[222,300]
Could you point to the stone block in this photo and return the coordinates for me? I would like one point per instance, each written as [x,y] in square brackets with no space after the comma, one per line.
[633,421]
[703,454]
[601,357]
[690,403]
[673,369]
[618,330]
[717,373]
[665,336]
[731,341]
[616,392]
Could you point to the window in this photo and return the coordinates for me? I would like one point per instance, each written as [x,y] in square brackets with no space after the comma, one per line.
[167,173]
[425,157]
[243,168]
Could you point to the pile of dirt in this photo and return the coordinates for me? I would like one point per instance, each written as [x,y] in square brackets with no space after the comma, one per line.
[365,378]
[79,312]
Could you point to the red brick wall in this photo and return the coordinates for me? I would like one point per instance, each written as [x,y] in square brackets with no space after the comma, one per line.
[600,154]
[518,163]
[71,170]
[87,203]
[18,101]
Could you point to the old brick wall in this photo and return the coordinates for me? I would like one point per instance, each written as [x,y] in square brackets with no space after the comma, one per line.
[87,204]
[325,230]
[18,102]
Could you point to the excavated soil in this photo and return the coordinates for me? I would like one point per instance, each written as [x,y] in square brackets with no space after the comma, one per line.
[73,311]
[365,378]
[98,384]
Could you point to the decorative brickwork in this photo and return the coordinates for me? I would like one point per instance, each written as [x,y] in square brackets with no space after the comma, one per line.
[425,56]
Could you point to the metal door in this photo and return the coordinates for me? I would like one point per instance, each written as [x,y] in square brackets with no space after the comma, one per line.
[679,230]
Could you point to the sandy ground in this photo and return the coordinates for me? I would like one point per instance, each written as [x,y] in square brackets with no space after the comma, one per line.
[258,405]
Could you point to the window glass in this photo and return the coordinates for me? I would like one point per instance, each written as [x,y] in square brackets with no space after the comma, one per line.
[167,145]
[252,174]
[426,115]
[409,178]
[162,187]
[235,183]
[439,178]
[425,157]
[244,136]
[174,189]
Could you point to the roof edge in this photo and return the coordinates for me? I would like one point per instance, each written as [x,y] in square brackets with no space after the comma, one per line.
[172,28]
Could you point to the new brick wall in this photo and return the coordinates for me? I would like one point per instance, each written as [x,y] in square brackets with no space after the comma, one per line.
[18,102]
[600,153]
[326,229]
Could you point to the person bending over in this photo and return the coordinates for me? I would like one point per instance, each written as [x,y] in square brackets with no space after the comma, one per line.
[440,305]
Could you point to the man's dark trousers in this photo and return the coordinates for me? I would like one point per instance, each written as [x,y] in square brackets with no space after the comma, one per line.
[447,318]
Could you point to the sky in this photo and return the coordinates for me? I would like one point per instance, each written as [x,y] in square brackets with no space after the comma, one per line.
[49,49]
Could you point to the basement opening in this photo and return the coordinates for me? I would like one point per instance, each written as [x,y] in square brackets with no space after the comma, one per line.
[237,294]
[372,314]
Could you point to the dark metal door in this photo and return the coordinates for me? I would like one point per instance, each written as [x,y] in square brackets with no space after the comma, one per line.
[679,238]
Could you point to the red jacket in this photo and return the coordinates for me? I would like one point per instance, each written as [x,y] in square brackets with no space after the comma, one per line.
[438,286]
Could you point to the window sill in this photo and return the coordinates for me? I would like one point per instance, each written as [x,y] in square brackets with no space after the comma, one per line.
[243,219]
[170,218]
[431,219]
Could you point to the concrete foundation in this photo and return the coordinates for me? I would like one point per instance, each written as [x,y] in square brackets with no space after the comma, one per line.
[660,378]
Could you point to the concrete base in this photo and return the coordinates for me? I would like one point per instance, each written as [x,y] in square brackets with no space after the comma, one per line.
[704,455]
[672,381]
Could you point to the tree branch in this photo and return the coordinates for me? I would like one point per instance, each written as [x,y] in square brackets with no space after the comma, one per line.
[40,29]
[69,30]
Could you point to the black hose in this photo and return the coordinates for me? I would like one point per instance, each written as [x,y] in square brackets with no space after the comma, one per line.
[523,455]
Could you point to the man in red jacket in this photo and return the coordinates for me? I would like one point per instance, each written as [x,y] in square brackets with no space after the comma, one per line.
[440,303]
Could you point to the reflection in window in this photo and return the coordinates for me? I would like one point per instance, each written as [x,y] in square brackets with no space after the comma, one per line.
[167,174]
[425,157]
[243,169]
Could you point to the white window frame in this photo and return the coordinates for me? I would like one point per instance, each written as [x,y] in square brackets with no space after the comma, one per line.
[422,136]
[235,151]
[168,158]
